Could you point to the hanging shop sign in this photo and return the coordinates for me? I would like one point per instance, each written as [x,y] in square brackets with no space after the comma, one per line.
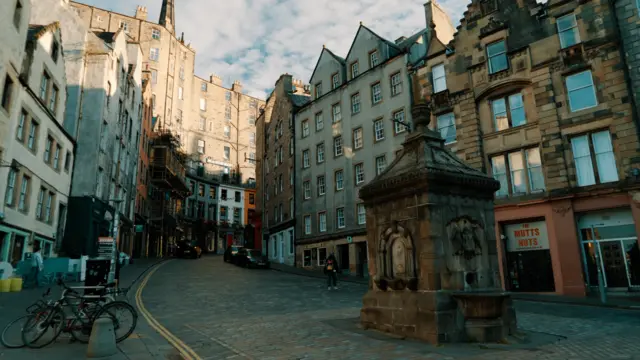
[526,236]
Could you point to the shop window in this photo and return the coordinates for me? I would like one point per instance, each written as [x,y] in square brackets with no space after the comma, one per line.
[528,257]
[595,148]
[519,172]
[322,256]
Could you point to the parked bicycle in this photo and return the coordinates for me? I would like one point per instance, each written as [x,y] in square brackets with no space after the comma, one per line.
[77,320]
[12,333]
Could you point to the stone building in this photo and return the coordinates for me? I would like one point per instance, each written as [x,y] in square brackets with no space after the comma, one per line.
[628,22]
[347,134]
[36,153]
[275,172]
[201,209]
[215,125]
[535,95]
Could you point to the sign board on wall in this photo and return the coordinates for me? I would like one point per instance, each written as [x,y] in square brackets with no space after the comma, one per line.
[526,236]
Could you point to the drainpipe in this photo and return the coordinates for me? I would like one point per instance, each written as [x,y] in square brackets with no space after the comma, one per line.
[625,68]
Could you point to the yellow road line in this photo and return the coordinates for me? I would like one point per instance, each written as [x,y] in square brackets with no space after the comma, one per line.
[184,350]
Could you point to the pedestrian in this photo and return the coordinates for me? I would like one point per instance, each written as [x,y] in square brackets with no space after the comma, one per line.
[331,270]
[37,265]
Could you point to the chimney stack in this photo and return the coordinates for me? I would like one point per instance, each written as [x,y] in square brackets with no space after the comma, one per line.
[215,79]
[236,87]
[141,13]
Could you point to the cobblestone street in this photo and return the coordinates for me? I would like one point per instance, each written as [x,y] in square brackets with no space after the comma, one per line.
[222,311]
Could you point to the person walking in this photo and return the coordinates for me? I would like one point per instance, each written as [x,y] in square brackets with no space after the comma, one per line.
[331,271]
[37,265]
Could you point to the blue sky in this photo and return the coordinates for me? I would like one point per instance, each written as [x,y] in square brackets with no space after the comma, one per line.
[255,41]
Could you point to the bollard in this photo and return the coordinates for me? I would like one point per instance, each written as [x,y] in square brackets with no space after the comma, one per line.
[102,341]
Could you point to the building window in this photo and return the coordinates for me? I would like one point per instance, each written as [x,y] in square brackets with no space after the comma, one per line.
[201,190]
[497,54]
[373,59]
[67,161]
[252,119]
[319,121]
[224,211]
[381,164]
[505,117]
[124,26]
[201,146]
[154,81]
[306,187]
[447,127]
[203,86]
[595,148]
[252,139]
[21,124]
[202,124]
[396,84]
[7,93]
[519,172]
[223,194]
[355,69]
[305,128]
[582,94]
[336,113]
[44,86]
[56,157]
[227,131]
[307,224]
[307,258]
[376,93]
[47,150]
[24,191]
[9,195]
[203,104]
[362,214]
[33,134]
[335,81]
[181,74]
[40,204]
[321,185]
[337,146]
[378,130]
[340,217]
[227,113]
[154,54]
[212,192]
[439,78]
[318,89]
[357,138]
[155,33]
[355,103]
[320,153]
[359,173]
[227,153]
[322,221]
[339,180]
[398,122]
[238,196]
[568,31]
[291,146]
[17,14]
[306,162]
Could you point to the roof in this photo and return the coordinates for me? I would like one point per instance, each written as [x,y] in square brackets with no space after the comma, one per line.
[338,58]
[299,100]
[106,36]
[374,34]
[36,31]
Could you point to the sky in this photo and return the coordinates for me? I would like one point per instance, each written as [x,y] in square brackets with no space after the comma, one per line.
[255,41]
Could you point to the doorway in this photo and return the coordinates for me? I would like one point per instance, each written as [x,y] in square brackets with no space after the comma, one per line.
[281,249]
[362,267]
[343,261]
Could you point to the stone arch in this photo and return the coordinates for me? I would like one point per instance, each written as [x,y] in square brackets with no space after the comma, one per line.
[396,259]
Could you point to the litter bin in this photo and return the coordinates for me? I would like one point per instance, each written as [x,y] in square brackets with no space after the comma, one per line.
[16,284]
[5,285]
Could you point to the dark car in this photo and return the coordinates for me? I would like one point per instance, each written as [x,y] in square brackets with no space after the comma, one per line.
[231,253]
[185,249]
[252,258]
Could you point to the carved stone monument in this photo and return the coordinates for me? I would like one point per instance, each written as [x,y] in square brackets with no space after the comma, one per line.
[432,247]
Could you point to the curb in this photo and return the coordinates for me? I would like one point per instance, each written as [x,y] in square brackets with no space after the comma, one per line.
[577,303]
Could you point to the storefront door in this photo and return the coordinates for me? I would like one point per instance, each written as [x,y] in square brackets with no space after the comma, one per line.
[281,248]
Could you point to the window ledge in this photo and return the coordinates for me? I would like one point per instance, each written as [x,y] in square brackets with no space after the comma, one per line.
[512,130]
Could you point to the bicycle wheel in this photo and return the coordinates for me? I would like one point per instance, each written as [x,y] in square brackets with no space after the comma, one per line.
[121,330]
[39,324]
[80,327]
[12,334]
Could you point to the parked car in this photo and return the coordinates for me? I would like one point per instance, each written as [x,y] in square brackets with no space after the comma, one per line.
[185,249]
[252,258]
[231,253]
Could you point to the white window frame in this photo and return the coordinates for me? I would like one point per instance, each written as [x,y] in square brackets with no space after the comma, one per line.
[305,128]
[335,80]
[569,90]
[322,221]
[306,189]
[573,28]
[378,129]
[355,69]
[307,224]
[439,78]
[500,53]
[338,180]
[155,34]
[361,214]
[306,160]
[154,54]
[376,93]
[227,131]
[338,146]
[203,104]
[398,127]
[358,138]
[319,121]
[593,154]
[374,60]
[396,84]
[336,113]
[381,164]
[321,185]
[340,221]
[320,153]
[355,103]
[358,170]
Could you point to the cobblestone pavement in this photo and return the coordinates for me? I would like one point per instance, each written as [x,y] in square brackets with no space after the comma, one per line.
[223,312]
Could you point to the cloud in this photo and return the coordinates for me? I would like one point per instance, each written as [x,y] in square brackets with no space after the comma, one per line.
[255,41]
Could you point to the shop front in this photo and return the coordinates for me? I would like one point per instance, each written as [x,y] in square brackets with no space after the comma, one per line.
[350,252]
[13,244]
[609,244]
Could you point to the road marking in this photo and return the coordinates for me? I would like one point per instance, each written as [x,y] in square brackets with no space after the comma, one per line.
[221,343]
[184,350]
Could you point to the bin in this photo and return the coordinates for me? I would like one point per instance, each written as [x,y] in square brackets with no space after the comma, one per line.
[5,285]
[16,284]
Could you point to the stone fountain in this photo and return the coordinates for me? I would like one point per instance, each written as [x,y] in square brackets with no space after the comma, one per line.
[432,248]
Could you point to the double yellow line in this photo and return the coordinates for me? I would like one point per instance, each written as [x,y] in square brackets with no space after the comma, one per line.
[184,350]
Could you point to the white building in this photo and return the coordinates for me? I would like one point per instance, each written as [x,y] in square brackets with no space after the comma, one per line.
[104,114]
[38,154]
[231,204]
[347,134]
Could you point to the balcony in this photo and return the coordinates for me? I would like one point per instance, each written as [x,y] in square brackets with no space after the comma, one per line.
[233,179]
[166,166]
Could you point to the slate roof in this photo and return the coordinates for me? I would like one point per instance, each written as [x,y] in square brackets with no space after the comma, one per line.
[34,30]
[300,100]
[105,36]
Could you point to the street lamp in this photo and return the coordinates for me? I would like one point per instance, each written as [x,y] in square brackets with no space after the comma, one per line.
[13,165]
[113,232]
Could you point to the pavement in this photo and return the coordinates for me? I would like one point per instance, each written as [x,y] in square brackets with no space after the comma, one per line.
[212,310]
[145,343]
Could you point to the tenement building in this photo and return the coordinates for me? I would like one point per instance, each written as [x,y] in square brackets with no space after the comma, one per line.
[215,125]
[275,172]
[536,96]
[351,129]
[36,153]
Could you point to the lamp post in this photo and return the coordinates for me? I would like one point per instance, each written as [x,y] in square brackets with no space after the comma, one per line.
[113,233]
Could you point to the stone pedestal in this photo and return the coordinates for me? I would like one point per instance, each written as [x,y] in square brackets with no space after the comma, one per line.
[431,241]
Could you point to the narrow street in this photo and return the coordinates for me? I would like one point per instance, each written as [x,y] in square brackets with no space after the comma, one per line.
[221,311]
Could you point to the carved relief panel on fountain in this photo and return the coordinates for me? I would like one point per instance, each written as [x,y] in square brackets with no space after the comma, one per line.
[396,259]
[466,247]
